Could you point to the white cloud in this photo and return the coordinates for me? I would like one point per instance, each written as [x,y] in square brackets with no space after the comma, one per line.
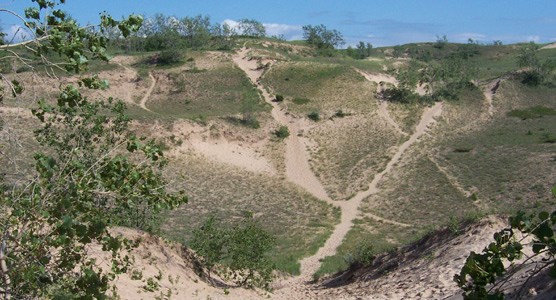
[17,33]
[465,36]
[533,38]
[288,31]
[233,24]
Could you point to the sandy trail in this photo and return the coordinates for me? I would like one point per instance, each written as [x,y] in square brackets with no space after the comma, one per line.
[298,169]
[299,172]
[350,208]
[489,92]
[380,79]
[145,98]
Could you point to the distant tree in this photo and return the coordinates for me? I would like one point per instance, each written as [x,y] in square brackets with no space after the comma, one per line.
[446,78]
[251,28]
[536,71]
[196,31]
[321,37]
[497,43]
[441,42]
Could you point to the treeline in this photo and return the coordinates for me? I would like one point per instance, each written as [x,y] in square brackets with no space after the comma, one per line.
[161,33]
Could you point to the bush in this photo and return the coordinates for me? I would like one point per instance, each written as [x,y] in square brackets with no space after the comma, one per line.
[241,250]
[339,113]
[364,252]
[251,122]
[209,240]
[166,57]
[282,132]
[279,98]
[395,94]
[314,115]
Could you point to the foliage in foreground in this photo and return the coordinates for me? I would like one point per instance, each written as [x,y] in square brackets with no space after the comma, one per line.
[238,253]
[484,275]
[91,172]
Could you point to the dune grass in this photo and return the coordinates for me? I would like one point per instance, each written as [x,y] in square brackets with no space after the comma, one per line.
[300,222]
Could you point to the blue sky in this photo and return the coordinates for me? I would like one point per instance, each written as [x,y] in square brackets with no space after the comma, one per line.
[384,22]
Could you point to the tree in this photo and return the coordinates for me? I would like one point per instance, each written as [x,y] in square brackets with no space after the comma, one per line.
[240,250]
[535,71]
[441,42]
[251,28]
[91,172]
[321,37]
[362,50]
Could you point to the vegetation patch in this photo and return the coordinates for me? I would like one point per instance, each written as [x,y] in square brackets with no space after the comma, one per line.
[301,101]
[532,112]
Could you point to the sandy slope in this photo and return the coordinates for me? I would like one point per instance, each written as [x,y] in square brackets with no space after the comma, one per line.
[350,209]
[173,265]
[298,170]
[549,46]
[381,80]
[232,153]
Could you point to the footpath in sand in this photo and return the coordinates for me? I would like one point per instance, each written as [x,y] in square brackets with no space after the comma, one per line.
[299,172]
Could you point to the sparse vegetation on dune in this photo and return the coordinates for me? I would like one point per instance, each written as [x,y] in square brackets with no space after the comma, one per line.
[249,100]
[300,222]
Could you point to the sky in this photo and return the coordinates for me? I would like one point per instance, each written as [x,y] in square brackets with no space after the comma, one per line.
[381,22]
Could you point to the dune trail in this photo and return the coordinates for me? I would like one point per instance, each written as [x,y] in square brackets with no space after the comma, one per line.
[380,80]
[489,92]
[299,171]
[148,93]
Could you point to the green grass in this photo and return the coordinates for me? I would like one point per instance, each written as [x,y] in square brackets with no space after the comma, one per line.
[532,112]
[351,151]
[300,223]
[215,92]
[328,86]
[300,101]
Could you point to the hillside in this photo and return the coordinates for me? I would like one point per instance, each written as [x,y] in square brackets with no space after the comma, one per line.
[355,170]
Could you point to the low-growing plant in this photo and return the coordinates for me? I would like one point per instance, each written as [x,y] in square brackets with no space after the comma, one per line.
[282,132]
[166,57]
[314,115]
[241,251]
[279,98]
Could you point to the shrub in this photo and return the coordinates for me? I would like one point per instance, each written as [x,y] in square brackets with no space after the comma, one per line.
[166,57]
[241,250]
[339,113]
[364,252]
[209,240]
[251,122]
[314,115]
[395,94]
[246,257]
[282,132]
[279,98]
